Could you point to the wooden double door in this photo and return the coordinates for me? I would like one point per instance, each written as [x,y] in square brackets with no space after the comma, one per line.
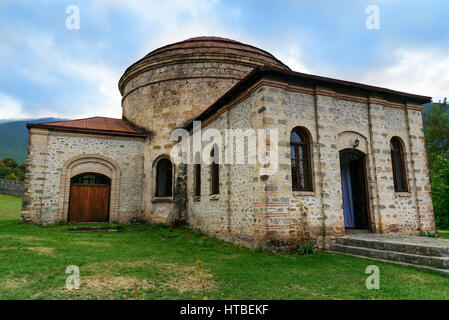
[89,198]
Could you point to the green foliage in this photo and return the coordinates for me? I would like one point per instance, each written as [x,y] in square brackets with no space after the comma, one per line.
[431,234]
[4,171]
[436,126]
[9,162]
[307,247]
[10,170]
[440,191]
[11,176]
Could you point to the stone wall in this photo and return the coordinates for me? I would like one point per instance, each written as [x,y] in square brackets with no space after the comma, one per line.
[12,187]
[55,157]
[229,215]
[280,217]
[163,92]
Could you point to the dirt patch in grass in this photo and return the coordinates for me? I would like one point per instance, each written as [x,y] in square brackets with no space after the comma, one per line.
[102,283]
[14,283]
[415,277]
[172,275]
[42,250]
[100,287]
[92,243]
[21,238]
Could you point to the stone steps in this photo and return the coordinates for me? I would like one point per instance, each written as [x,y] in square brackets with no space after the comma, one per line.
[419,251]
[389,245]
[435,262]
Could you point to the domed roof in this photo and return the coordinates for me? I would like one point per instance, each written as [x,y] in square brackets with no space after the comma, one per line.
[207,49]
[211,42]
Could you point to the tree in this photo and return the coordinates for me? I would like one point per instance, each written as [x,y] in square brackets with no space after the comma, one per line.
[20,171]
[436,124]
[4,171]
[440,191]
[9,162]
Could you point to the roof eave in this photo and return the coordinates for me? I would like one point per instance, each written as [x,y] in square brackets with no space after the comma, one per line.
[267,71]
[84,130]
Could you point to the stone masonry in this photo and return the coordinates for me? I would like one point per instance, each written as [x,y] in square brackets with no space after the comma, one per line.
[265,211]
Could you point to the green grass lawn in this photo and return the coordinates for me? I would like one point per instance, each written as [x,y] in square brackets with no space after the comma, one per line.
[161,262]
[443,234]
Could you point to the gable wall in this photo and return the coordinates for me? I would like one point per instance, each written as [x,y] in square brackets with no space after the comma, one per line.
[48,152]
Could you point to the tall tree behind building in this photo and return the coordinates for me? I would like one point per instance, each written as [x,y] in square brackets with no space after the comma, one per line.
[436,126]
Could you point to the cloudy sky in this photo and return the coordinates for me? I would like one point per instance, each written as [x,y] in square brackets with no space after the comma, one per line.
[47,69]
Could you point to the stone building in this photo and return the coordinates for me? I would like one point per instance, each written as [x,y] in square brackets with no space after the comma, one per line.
[350,156]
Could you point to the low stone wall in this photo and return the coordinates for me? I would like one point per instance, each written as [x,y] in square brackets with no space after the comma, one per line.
[12,187]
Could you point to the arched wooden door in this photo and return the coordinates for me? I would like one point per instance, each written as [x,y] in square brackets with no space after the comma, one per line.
[89,198]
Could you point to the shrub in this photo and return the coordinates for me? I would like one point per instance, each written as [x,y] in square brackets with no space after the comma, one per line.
[307,247]
[431,234]
[11,176]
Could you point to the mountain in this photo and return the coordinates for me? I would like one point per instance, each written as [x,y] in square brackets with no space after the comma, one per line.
[14,138]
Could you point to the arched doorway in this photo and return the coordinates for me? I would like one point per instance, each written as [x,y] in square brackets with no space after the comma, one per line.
[89,198]
[354,189]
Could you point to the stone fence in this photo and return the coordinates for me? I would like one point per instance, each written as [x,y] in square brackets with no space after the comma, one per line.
[12,187]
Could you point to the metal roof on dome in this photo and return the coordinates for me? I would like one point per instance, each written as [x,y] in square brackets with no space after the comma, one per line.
[211,42]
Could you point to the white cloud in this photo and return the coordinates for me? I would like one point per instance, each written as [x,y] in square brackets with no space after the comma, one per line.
[179,20]
[11,108]
[48,65]
[418,71]
[291,56]
[106,102]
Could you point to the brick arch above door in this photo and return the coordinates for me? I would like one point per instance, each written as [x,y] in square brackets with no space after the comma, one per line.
[94,163]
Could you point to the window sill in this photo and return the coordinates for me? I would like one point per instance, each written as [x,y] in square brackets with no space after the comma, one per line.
[196,198]
[214,197]
[303,193]
[402,194]
[162,200]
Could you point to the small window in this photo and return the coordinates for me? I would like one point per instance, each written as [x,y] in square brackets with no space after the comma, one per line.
[197,179]
[197,174]
[398,165]
[215,174]
[91,179]
[164,178]
[300,160]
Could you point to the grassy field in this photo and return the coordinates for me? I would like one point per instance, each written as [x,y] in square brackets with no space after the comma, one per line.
[161,262]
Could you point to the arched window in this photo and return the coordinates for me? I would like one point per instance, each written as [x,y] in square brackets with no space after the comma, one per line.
[214,172]
[300,160]
[398,165]
[164,170]
[197,167]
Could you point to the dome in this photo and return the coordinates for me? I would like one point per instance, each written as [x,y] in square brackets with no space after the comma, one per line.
[176,82]
[212,42]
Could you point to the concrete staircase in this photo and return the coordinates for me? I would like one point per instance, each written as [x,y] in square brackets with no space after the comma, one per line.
[429,253]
